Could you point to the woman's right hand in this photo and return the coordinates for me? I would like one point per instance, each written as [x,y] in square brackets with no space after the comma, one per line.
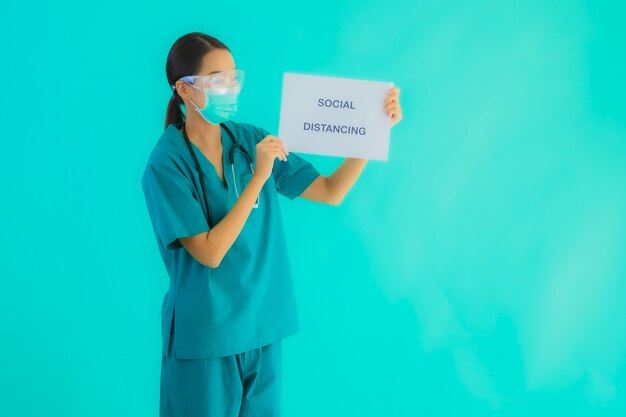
[266,151]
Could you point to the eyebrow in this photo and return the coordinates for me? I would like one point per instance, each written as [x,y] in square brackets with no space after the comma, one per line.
[213,72]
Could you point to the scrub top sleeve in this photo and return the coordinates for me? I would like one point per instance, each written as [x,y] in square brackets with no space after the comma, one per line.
[173,209]
[293,176]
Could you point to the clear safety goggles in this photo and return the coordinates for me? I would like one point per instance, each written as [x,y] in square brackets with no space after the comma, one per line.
[220,81]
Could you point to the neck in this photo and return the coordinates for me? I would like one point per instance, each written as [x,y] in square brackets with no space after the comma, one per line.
[201,133]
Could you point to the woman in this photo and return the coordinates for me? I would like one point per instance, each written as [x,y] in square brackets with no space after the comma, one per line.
[215,213]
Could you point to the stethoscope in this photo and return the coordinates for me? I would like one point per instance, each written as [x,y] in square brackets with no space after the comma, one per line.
[236,145]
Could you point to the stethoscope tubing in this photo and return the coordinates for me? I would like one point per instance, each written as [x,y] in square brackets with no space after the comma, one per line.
[236,145]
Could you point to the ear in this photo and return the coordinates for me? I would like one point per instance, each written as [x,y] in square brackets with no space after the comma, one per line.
[187,93]
[183,89]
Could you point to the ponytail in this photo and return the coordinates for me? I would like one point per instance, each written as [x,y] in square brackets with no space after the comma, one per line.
[174,114]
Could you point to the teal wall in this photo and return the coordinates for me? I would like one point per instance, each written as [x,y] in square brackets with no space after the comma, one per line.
[480,271]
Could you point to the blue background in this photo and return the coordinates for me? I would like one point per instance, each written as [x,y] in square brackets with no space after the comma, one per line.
[480,271]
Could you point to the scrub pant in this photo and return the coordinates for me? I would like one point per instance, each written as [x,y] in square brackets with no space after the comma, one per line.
[247,384]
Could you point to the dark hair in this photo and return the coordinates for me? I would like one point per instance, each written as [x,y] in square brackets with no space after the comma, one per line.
[185,58]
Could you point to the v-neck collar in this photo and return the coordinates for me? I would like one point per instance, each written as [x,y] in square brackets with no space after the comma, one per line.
[205,163]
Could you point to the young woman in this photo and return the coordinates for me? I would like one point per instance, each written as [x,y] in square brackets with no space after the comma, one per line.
[211,186]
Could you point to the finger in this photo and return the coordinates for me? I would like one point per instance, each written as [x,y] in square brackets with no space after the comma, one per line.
[273,139]
[395,90]
[394,112]
[395,117]
[281,147]
[391,107]
[275,145]
[279,154]
[391,98]
[272,145]
[392,104]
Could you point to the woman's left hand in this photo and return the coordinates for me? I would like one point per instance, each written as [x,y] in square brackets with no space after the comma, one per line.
[392,105]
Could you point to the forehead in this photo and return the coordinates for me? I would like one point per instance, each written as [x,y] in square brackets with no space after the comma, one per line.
[215,61]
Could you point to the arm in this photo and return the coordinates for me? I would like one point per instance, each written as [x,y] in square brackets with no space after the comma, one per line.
[209,248]
[332,189]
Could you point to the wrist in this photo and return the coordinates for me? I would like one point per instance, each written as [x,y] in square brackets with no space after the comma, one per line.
[257,181]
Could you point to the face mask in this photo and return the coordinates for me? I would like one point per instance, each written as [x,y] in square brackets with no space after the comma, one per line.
[221,104]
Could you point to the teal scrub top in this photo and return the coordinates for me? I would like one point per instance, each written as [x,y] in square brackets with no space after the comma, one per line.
[248,301]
